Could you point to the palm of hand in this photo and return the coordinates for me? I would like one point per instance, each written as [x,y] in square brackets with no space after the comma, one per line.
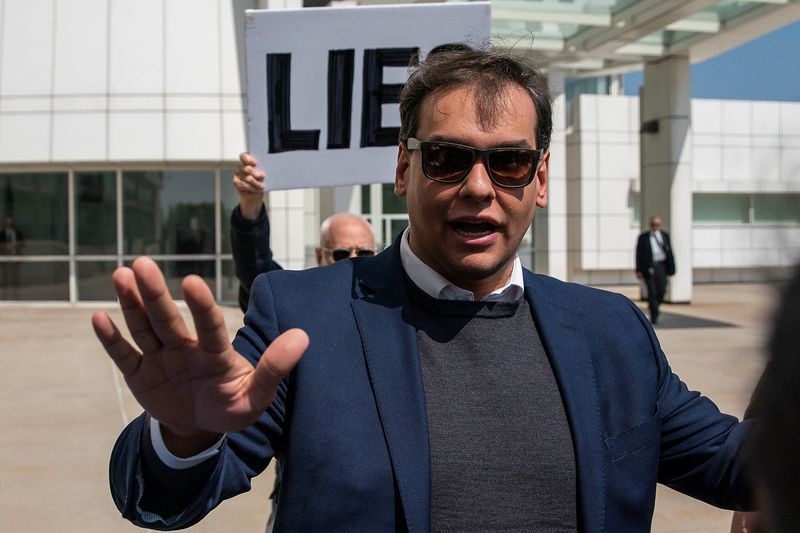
[191,385]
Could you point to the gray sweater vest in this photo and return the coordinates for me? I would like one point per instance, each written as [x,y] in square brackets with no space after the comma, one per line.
[501,449]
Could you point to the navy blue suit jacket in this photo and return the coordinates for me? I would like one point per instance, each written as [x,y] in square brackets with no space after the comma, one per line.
[349,423]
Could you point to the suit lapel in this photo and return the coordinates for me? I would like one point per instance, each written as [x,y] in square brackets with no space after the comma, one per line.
[389,339]
[568,350]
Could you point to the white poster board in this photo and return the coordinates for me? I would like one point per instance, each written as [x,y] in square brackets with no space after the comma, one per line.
[308,70]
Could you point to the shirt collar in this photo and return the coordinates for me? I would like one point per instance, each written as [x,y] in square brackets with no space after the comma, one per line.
[437,286]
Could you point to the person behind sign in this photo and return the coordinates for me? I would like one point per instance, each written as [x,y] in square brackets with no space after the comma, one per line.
[341,236]
[436,386]
[654,263]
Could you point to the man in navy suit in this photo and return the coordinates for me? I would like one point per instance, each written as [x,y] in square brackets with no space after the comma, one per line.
[436,386]
[654,263]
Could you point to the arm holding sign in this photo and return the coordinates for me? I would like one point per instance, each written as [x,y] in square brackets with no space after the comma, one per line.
[196,388]
[250,231]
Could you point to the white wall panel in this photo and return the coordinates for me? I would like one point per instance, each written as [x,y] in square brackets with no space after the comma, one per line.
[588,114]
[192,49]
[136,136]
[735,117]
[790,118]
[27,47]
[193,137]
[79,136]
[736,238]
[618,161]
[25,138]
[706,116]
[81,47]
[612,113]
[765,164]
[137,46]
[707,163]
[706,238]
[736,163]
[233,135]
[766,118]
[790,163]
[231,77]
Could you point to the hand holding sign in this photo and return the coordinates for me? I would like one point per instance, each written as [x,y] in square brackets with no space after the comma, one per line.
[249,183]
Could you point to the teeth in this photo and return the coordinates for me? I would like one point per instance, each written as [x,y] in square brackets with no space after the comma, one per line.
[472,234]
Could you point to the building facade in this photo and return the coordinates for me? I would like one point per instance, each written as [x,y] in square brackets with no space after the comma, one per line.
[120,125]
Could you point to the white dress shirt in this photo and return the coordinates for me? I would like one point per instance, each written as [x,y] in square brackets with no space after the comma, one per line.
[657,247]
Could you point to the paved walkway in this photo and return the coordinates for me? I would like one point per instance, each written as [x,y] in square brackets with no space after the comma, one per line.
[62,405]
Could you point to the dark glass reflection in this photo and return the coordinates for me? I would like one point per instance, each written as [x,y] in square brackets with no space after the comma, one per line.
[94,280]
[96,212]
[35,281]
[169,212]
[37,205]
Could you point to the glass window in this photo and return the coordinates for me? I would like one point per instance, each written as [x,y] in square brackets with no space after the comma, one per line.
[96,212]
[365,199]
[175,271]
[47,280]
[392,204]
[229,200]
[34,207]
[721,208]
[94,280]
[169,212]
[396,227]
[776,208]
[230,285]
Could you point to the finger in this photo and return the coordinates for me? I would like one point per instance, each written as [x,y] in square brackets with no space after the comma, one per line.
[130,301]
[277,361]
[247,159]
[163,314]
[256,182]
[125,356]
[209,322]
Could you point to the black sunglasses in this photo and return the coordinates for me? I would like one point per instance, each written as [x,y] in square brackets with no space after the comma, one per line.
[343,253]
[450,162]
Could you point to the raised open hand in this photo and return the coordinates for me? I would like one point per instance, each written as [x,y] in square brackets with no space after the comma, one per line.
[196,387]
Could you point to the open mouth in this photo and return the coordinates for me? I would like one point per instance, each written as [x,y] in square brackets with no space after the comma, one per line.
[473,229]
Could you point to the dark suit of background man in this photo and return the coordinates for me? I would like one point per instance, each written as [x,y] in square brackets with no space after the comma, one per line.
[654,262]
[437,386]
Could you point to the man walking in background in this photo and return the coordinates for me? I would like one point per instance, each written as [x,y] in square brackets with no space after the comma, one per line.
[654,262]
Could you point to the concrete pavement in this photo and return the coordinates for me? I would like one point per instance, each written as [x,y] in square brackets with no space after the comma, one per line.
[62,405]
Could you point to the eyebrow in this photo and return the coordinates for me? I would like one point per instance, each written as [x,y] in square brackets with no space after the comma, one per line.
[521,143]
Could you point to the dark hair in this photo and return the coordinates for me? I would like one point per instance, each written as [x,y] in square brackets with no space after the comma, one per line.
[776,449]
[488,72]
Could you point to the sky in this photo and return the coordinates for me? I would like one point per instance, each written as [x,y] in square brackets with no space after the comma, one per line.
[767,68]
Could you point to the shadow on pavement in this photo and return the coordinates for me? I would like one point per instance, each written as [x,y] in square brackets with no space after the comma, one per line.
[675,321]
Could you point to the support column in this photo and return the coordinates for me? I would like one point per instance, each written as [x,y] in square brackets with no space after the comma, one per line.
[666,162]
[550,224]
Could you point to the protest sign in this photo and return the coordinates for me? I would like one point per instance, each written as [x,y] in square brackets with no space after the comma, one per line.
[323,85]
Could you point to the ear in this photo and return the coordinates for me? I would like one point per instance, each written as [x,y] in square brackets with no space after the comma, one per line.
[542,174]
[401,170]
[318,251]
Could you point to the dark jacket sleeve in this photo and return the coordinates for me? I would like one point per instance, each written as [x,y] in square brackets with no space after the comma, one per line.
[251,252]
[154,496]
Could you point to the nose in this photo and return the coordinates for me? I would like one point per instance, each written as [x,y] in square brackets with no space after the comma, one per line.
[353,252]
[478,185]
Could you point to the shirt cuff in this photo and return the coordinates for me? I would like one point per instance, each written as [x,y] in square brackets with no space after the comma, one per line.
[173,461]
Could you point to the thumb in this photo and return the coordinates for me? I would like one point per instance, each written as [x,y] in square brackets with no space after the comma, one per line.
[276,362]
